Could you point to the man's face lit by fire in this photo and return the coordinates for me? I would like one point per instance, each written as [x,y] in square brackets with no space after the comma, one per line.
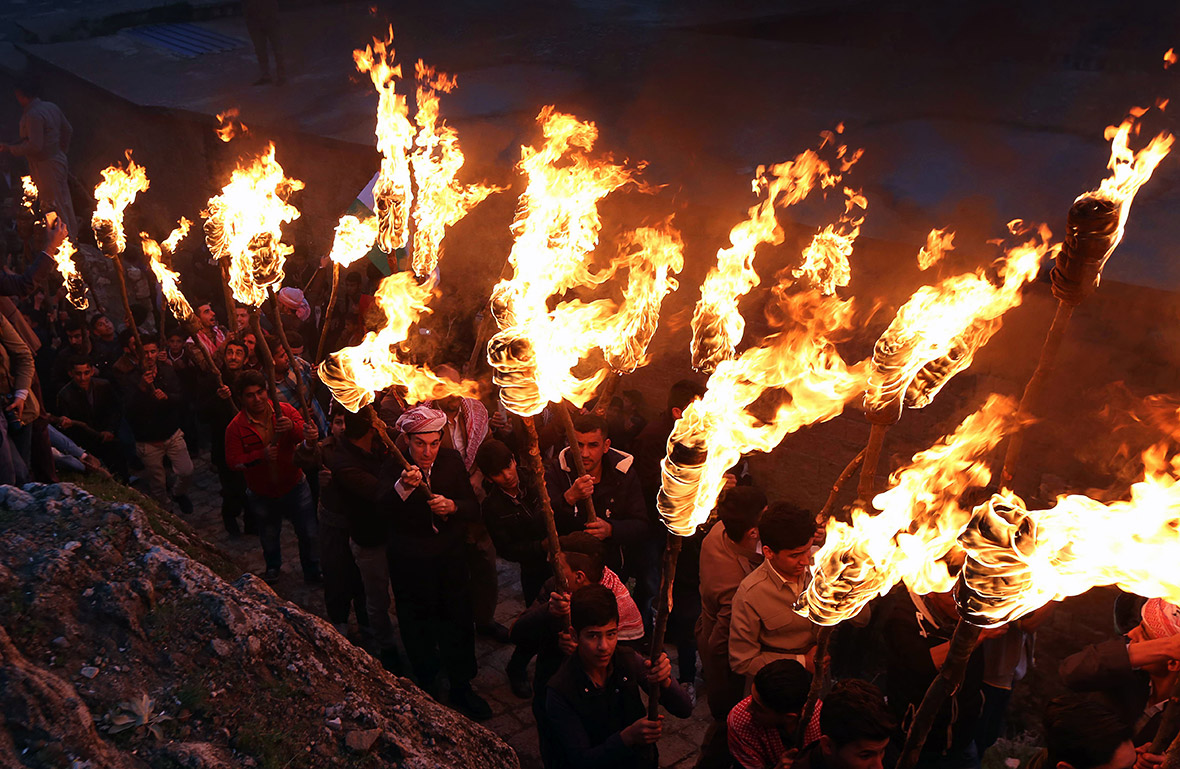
[75,337]
[282,362]
[104,328]
[338,426]
[424,448]
[791,563]
[151,354]
[207,316]
[242,316]
[235,356]
[254,400]
[249,341]
[175,344]
[592,446]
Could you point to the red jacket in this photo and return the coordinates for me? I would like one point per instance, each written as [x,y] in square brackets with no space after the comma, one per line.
[245,450]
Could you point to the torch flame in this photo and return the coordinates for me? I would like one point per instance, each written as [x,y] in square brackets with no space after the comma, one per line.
[28,193]
[1129,170]
[938,243]
[1018,559]
[244,222]
[825,260]
[228,125]
[436,161]
[945,324]
[717,325]
[355,373]
[537,348]
[913,536]
[114,193]
[799,365]
[1169,57]
[75,286]
[354,238]
[168,279]
[395,137]
[652,256]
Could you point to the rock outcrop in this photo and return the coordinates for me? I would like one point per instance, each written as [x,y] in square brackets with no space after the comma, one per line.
[119,650]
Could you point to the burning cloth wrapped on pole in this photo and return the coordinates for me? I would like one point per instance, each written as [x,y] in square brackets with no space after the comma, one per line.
[1020,559]
[717,324]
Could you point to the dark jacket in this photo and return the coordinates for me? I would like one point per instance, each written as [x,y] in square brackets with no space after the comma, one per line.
[152,419]
[618,499]
[909,638]
[1105,668]
[586,720]
[23,284]
[92,413]
[517,528]
[361,488]
[535,632]
[415,532]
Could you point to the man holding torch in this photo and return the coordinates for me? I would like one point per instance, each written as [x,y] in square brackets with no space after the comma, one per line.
[593,702]
[433,503]
[612,483]
[262,444]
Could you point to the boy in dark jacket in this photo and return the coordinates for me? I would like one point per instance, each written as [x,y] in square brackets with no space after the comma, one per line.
[596,714]
[513,517]
[610,479]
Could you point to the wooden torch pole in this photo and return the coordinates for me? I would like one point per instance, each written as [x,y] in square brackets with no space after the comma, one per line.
[667,580]
[319,353]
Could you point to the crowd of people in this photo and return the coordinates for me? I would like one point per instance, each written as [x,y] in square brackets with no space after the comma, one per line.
[408,555]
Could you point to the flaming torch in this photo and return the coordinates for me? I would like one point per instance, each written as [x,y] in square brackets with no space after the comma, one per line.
[243,223]
[114,193]
[1017,560]
[355,373]
[537,348]
[63,257]
[935,335]
[717,325]
[75,285]
[354,239]
[395,136]
[436,161]
[1094,229]
[169,282]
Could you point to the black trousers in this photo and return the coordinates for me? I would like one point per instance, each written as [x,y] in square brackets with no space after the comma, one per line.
[343,589]
[433,602]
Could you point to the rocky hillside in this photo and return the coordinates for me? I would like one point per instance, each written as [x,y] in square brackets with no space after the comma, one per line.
[121,647]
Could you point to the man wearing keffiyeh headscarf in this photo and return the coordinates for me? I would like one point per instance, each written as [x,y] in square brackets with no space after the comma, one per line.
[1136,673]
[465,431]
[433,505]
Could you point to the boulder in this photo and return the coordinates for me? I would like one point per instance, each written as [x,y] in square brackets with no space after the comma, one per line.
[119,648]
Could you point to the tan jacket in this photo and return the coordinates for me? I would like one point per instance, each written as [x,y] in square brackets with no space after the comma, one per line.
[764,626]
[724,564]
[16,369]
